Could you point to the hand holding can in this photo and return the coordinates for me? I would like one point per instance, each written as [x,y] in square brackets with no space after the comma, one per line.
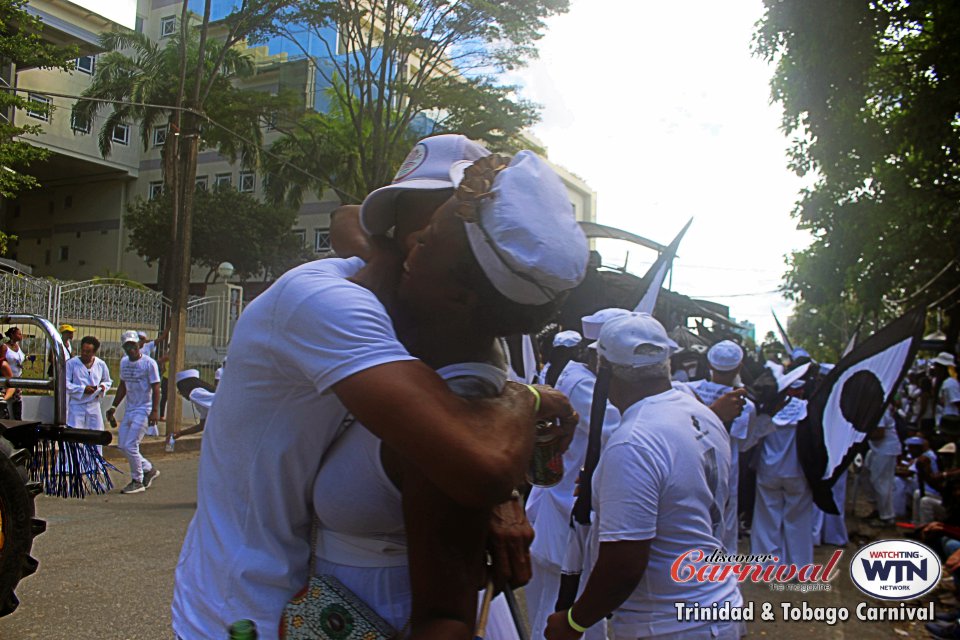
[546,465]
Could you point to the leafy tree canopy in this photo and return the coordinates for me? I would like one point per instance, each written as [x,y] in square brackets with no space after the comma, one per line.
[396,70]
[228,226]
[22,44]
[871,99]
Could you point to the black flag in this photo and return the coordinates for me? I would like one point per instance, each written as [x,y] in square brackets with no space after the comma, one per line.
[652,280]
[850,401]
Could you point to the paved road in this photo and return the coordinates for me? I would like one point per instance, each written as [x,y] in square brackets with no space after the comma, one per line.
[106,563]
[106,570]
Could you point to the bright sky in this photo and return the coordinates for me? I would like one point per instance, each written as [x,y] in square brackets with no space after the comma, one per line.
[661,108]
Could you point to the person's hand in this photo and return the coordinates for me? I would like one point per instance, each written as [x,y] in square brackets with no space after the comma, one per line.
[931,528]
[953,562]
[510,536]
[729,406]
[87,390]
[555,407]
[153,418]
[559,629]
[111,411]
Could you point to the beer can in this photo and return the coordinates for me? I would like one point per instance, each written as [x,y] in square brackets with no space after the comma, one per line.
[546,465]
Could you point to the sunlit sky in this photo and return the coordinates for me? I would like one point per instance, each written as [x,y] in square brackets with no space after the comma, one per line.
[662,109]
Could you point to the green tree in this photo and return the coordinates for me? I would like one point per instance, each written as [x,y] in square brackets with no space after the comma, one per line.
[228,226]
[870,92]
[22,46]
[395,70]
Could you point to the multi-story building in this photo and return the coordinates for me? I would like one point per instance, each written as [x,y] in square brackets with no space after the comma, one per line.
[72,226]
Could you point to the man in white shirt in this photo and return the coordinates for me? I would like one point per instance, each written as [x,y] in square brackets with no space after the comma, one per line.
[881,467]
[88,380]
[318,346]
[200,395]
[140,386]
[657,493]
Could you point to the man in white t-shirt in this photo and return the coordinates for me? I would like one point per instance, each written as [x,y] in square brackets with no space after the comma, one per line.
[192,388]
[658,491]
[140,386]
[318,346]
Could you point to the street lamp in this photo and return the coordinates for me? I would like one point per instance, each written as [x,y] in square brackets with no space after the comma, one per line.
[225,270]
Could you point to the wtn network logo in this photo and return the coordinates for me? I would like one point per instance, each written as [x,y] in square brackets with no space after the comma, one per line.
[895,569]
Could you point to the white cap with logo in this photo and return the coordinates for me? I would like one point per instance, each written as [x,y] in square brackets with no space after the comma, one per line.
[726,355]
[427,167]
[635,340]
[129,336]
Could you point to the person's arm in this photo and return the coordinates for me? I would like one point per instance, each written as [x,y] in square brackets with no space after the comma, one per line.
[197,428]
[75,388]
[445,548]
[477,450]
[620,567]
[154,416]
[106,382]
[7,372]
[117,399]
[347,237]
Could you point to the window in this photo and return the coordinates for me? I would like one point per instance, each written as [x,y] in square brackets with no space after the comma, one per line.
[63,254]
[301,236]
[155,190]
[159,135]
[202,182]
[86,64]
[121,134]
[79,124]
[168,26]
[248,181]
[39,112]
[321,241]
[223,180]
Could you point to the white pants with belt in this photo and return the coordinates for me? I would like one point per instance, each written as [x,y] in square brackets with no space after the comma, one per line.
[132,429]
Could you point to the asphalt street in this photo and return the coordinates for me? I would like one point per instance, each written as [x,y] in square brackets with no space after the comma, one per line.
[106,570]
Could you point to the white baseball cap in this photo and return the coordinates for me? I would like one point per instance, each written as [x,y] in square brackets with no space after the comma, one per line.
[726,355]
[946,359]
[129,336]
[593,323]
[427,167]
[143,334]
[187,373]
[526,238]
[567,339]
[635,340]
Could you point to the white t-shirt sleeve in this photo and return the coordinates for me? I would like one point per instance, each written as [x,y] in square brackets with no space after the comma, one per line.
[75,386]
[630,482]
[950,392]
[154,372]
[337,331]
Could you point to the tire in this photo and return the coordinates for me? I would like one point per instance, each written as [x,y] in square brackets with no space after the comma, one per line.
[18,524]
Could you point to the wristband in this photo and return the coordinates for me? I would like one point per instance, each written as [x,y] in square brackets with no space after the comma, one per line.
[574,625]
[536,394]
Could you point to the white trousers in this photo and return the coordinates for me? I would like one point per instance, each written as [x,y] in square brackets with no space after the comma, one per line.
[541,593]
[881,468]
[783,519]
[927,509]
[85,415]
[132,429]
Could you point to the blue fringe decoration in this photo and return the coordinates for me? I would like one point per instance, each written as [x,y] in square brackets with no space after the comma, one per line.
[69,469]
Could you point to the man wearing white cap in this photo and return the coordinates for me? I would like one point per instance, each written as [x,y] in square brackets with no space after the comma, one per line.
[566,346]
[549,508]
[726,358]
[88,380]
[327,330]
[658,493]
[140,386]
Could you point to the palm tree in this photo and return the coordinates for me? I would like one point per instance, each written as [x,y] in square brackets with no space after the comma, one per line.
[137,81]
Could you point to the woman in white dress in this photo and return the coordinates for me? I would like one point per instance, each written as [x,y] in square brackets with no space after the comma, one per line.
[15,358]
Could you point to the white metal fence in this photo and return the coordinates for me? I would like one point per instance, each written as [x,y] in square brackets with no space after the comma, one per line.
[106,307]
